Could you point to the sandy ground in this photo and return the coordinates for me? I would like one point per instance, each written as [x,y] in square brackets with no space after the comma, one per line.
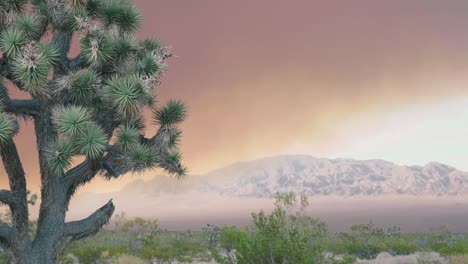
[426,258]
[193,210]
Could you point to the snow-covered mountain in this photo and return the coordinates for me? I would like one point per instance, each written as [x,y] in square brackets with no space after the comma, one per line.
[345,177]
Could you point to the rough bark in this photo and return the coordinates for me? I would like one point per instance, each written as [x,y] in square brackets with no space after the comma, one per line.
[90,225]
[21,107]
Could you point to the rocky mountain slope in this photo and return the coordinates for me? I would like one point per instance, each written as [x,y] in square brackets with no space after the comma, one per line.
[344,177]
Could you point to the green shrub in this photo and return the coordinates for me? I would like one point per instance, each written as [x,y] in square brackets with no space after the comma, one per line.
[398,246]
[87,254]
[454,248]
[283,236]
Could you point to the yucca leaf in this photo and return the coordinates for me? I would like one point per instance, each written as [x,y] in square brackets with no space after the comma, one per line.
[50,53]
[174,138]
[171,162]
[123,48]
[150,45]
[94,7]
[143,155]
[83,86]
[126,94]
[16,5]
[172,113]
[78,15]
[136,121]
[42,13]
[92,141]
[127,137]
[96,47]
[29,25]
[111,10]
[32,71]
[8,127]
[59,155]
[121,13]
[130,19]
[71,120]
[11,41]
[147,66]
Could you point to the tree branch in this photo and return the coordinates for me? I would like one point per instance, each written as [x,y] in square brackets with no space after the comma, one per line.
[79,175]
[62,41]
[6,234]
[21,107]
[90,225]
[17,180]
[75,63]
[6,197]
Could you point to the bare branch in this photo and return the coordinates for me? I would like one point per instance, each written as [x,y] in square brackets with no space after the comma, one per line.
[21,107]
[6,234]
[17,180]
[79,175]
[6,197]
[90,225]
[75,63]
[62,40]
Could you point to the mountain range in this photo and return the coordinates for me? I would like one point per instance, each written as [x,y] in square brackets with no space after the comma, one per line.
[342,192]
[265,177]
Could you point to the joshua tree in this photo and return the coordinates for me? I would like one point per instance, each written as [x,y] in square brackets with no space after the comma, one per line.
[87,111]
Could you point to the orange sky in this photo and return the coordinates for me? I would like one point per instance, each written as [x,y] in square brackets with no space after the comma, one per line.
[261,76]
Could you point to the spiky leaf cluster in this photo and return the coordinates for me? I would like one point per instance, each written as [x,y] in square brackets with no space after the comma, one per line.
[12,5]
[32,70]
[76,123]
[172,163]
[77,20]
[59,155]
[127,137]
[11,41]
[92,141]
[96,47]
[94,7]
[172,113]
[8,127]
[124,48]
[143,155]
[31,61]
[121,13]
[82,87]
[71,120]
[29,25]
[50,53]
[126,95]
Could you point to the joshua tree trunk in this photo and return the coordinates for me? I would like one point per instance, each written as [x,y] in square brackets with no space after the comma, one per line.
[89,106]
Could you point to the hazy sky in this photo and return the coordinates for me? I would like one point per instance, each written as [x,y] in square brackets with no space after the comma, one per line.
[355,79]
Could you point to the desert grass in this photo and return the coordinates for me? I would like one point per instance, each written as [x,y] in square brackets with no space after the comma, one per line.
[459,259]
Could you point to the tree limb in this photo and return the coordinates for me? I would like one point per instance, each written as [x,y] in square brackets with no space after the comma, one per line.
[21,107]
[75,63]
[5,71]
[79,175]
[62,41]
[6,234]
[6,197]
[90,225]
[17,180]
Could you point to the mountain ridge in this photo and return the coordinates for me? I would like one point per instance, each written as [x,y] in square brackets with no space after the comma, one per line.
[264,177]
[321,176]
